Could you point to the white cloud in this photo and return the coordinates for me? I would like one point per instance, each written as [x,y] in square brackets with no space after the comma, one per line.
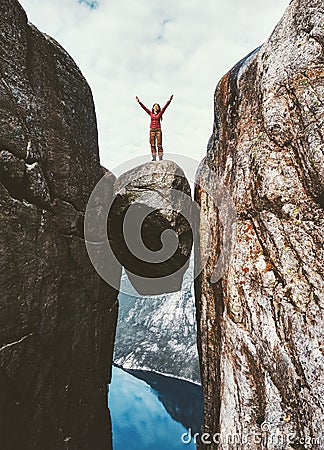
[154,49]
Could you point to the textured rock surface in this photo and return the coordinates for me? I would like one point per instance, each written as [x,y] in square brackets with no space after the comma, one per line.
[150,226]
[260,327]
[57,317]
[158,333]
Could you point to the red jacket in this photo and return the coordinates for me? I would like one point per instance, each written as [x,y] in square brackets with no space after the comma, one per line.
[155,118]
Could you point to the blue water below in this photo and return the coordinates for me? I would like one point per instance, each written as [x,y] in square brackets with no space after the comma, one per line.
[140,421]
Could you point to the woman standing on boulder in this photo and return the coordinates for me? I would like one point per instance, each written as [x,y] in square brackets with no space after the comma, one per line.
[155,126]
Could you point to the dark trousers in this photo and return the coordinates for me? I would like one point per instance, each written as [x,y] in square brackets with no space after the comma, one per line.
[156,141]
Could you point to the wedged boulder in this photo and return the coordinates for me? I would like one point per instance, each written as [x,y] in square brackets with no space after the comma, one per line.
[260,325]
[150,226]
[57,316]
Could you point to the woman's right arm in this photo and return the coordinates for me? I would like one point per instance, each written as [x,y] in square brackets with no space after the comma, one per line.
[142,105]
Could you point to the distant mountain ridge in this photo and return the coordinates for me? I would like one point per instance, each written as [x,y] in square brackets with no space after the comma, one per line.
[158,333]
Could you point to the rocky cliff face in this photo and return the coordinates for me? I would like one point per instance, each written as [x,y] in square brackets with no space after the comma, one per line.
[260,326]
[57,317]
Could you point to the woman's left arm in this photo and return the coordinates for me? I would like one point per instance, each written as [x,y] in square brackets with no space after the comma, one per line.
[166,105]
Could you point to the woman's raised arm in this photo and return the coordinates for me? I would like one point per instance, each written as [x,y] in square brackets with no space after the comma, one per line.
[142,105]
[166,105]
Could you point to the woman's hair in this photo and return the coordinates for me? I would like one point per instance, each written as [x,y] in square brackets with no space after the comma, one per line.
[158,110]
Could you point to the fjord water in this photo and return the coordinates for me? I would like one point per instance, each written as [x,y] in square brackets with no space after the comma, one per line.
[152,414]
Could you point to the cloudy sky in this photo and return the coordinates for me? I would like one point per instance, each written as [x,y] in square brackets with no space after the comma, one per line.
[153,49]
